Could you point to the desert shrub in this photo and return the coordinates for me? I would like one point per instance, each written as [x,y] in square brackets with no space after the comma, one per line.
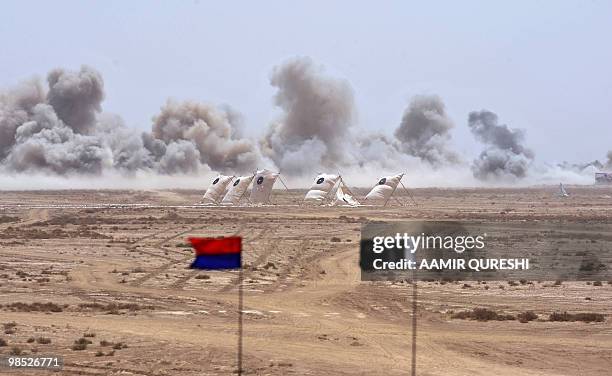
[3,342]
[571,317]
[526,316]
[34,307]
[597,283]
[105,343]
[119,346]
[482,314]
[335,239]
[89,335]
[43,340]
[16,350]
[31,339]
[99,353]
[202,276]
[79,347]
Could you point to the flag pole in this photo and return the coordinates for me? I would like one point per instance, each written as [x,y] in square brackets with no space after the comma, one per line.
[414,321]
[240,309]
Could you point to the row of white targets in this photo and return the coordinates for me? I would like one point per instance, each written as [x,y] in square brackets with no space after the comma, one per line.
[230,190]
[327,189]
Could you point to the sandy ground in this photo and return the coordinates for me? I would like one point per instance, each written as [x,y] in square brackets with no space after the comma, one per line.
[120,275]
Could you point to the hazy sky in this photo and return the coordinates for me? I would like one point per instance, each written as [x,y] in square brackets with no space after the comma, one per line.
[543,66]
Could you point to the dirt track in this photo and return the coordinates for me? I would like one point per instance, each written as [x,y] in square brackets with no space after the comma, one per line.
[306,310]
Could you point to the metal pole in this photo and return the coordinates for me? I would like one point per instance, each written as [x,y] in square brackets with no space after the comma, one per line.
[414,325]
[240,309]
[409,194]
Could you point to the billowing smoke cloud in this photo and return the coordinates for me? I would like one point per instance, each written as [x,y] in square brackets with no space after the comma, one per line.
[505,155]
[318,112]
[190,134]
[34,136]
[76,97]
[424,130]
[61,130]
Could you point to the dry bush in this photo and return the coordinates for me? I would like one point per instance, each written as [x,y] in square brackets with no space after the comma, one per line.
[3,342]
[571,317]
[34,307]
[526,316]
[482,314]
[16,350]
[115,308]
[119,346]
[43,340]
[80,344]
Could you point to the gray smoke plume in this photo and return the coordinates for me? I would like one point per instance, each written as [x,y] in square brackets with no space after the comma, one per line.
[609,162]
[424,131]
[192,133]
[76,97]
[35,138]
[505,155]
[61,130]
[318,112]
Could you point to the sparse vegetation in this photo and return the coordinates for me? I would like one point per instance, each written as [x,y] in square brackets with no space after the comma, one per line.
[43,340]
[34,307]
[16,350]
[3,342]
[482,314]
[119,346]
[571,317]
[526,316]
[80,344]
[114,308]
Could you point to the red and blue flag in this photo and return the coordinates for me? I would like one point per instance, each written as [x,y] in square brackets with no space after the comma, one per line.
[217,253]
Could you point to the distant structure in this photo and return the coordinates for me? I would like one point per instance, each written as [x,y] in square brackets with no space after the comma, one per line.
[603,178]
[562,192]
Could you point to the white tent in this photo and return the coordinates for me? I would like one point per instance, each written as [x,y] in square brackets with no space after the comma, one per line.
[262,187]
[216,190]
[562,192]
[322,188]
[382,192]
[237,190]
[344,196]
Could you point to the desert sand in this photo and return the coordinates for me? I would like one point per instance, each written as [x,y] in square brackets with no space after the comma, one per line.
[112,267]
